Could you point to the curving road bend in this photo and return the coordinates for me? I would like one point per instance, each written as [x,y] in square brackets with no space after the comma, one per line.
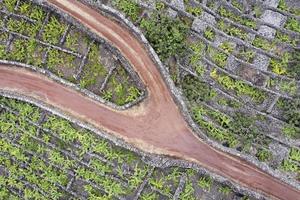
[156,125]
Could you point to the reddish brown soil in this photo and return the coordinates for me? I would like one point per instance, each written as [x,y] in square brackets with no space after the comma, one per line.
[156,125]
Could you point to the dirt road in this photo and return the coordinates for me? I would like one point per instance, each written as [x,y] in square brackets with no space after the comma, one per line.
[156,125]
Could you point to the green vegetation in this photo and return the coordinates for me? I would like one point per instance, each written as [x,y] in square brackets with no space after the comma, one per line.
[232,30]
[280,67]
[31,11]
[10,4]
[205,183]
[245,126]
[23,27]
[290,114]
[263,44]
[160,6]
[198,49]
[167,36]
[129,7]
[218,57]
[291,164]
[45,158]
[285,86]
[293,24]
[240,87]
[53,31]
[222,135]
[224,12]
[291,131]
[282,37]
[283,6]
[94,69]
[246,55]
[239,130]
[237,5]
[209,34]
[196,90]
[165,182]
[119,89]
[225,190]
[61,63]
[228,47]
[195,11]
[23,51]
[264,155]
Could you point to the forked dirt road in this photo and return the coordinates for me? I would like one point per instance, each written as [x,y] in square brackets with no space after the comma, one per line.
[156,125]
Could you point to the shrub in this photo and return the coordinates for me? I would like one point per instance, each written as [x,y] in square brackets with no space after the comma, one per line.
[160,6]
[129,7]
[263,155]
[166,35]
[289,166]
[196,90]
[290,110]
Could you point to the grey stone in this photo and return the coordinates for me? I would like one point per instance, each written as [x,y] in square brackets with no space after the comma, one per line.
[219,40]
[208,18]
[199,25]
[148,4]
[261,62]
[232,64]
[172,13]
[252,75]
[279,152]
[179,4]
[271,3]
[267,31]
[273,18]
[251,37]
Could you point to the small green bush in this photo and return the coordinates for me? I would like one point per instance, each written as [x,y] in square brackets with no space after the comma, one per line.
[129,7]
[167,36]
[263,155]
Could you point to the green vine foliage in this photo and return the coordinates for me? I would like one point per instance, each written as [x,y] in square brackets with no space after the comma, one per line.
[58,149]
[53,31]
[293,24]
[240,87]
[291,114]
